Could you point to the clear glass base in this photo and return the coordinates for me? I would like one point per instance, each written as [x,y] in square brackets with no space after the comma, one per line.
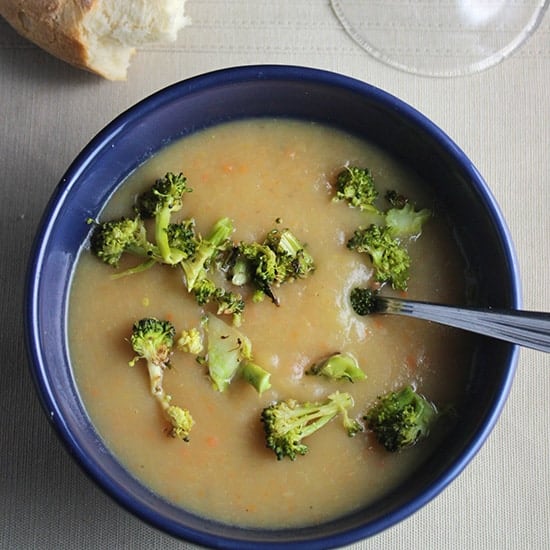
[440,37]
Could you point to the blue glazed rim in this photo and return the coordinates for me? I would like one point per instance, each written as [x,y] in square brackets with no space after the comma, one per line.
[55,251]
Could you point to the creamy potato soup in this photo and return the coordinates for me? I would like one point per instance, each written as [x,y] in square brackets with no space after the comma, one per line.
[260,173]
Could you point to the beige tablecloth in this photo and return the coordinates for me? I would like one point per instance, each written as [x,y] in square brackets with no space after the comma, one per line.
[500,117]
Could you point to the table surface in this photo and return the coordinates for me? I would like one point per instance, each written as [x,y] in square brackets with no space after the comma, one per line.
[499,117]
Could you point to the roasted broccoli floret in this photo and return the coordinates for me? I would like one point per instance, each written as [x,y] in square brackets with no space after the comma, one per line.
[204,291]
[153,340]
[281,257]
[356,186]
[396,199]
[182,236]
[389,257]
[229,303]
[198,270]
[339,366]
[229,354]
[173,242]
[159,202]
[110,240]
[293,260]
[400,418]
[384,241]
[257,263]
[287,423]
[363,300]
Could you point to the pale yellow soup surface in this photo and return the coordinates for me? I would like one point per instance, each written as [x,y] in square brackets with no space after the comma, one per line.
[256,172]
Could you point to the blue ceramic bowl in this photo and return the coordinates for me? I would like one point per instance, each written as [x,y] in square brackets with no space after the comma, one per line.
[273,91]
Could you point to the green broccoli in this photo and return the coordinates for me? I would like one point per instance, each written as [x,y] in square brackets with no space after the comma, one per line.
[339,366]
[204,291]
[280,258]
[110,240]
[257,263]
[400,418]
[197,266]
[406,221]
[229,354]
[363,300]
[159,202]
[356,186]
[229,303]
[190,341]
[153,340]
[255,375]
[293,260]
[182,236]
[382,241]
[389,257]
[286,423]
[173,242]
[237,268]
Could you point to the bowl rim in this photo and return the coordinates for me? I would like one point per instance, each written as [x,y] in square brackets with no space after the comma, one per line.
[193,85]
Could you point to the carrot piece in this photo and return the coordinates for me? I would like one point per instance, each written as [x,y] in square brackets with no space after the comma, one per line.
[212,441]
[377,322]
[410,361]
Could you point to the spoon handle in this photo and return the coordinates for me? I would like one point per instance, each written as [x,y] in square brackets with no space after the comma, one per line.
[527,328]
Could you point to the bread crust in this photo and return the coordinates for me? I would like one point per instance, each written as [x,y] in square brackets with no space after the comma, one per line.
[53,25]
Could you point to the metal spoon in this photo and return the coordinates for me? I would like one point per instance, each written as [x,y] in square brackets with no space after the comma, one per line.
[526,328]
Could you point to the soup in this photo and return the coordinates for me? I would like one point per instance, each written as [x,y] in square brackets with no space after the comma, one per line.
[261,173]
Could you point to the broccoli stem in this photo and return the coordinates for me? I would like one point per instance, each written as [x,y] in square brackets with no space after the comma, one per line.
[195,268]
[241,272]
[225,347]
[289,243]
[229,353]
[339,366]
[314,419]
[156,375]
[256,376]
[153,340]
[140,268]
[162,220]
[171,256]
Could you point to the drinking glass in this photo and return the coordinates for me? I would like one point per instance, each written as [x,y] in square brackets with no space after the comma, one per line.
[440,37]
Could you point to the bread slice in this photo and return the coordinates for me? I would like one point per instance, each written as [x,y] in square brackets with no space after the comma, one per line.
[97,35]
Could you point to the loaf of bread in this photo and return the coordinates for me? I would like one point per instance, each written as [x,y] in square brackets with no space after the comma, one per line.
[97,35]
